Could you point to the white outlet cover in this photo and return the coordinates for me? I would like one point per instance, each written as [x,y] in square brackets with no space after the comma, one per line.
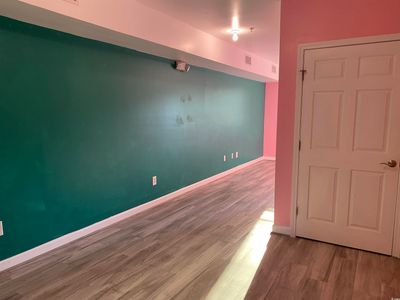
[154,180]
[232,156]
[224,157]
[1,228]
[237,154]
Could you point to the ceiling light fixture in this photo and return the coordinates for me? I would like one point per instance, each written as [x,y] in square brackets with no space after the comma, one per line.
[235,36]
[235,30]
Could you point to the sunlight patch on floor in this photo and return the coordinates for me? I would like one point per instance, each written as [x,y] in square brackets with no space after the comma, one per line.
[237,276]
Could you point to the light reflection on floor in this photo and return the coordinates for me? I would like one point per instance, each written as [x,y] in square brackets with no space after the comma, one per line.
[237,276]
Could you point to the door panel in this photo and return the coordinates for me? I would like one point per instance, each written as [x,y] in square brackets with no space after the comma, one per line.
[372,108]
[329,68]
[376,65]
[326,118]
[349,125]
[322,194]
[366,185]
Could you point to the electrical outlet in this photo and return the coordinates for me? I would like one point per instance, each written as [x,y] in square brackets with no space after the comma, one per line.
[232,155]
[237,154]
[224,157]
[154,180]
[1,228]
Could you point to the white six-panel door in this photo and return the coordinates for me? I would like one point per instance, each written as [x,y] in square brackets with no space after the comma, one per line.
[350,124]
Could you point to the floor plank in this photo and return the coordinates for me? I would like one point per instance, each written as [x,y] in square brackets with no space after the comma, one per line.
[213,243]
[181,249]
[295,268]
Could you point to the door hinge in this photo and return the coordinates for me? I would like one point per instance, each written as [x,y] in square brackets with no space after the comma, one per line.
[303,72]
[297,210]
[299,145]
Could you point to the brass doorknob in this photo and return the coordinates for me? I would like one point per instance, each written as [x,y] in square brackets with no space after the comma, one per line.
[390,163]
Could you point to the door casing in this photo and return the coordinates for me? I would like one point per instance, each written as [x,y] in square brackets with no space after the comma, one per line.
[298,101]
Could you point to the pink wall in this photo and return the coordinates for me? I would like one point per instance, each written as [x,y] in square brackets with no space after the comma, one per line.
[312,21]
[270,118]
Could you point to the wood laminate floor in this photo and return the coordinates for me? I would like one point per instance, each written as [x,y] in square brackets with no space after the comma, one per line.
[295,268]
[189,248]
[210,243]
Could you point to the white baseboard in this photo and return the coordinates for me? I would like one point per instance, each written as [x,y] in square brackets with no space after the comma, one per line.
[285,230]
[270,158]
[65,239]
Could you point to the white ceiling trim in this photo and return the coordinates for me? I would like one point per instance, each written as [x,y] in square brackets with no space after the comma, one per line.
[130,24]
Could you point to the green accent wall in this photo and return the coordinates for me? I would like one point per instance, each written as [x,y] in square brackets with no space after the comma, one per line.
[84,125]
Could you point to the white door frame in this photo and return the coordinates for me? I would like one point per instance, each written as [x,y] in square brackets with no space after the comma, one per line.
[297,127]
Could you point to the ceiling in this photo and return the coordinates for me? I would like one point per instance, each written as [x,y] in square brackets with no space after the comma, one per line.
[215,16]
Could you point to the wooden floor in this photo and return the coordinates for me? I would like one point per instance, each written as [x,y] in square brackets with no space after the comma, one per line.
[304,269]
[207,244]
[178,250]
